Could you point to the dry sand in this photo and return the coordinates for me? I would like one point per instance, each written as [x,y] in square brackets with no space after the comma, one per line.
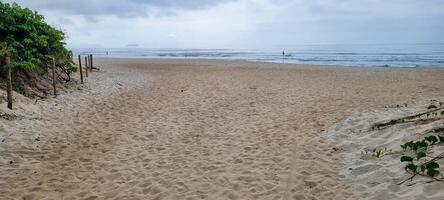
[198,129]
[355,139]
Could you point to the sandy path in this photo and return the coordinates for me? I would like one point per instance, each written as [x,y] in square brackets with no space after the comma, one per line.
[201,130]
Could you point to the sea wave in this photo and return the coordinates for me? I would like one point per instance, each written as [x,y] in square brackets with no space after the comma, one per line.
[348,55]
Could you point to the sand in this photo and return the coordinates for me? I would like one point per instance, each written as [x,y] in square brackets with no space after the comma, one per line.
[383,176]
[199,129]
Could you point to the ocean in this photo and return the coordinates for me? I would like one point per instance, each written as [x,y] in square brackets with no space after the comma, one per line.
[383,55]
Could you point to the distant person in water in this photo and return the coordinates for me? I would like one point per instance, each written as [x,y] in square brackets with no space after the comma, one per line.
[283,55]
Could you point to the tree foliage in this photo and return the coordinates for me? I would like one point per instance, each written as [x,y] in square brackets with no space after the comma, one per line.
[30,41]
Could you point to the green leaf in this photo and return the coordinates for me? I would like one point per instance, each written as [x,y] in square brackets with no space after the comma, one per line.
[412,167]
[421,144]
[432,165]
[428,140]
[432,172]
[420,155]
[406,159]
[410,144]
[423,168]
[431,139]
[403,146]
[414,146]
[441,138]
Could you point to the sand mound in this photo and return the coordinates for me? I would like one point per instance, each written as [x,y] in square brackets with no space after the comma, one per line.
[356,138]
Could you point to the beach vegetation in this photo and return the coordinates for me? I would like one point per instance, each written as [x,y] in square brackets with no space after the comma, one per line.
[378,153]
[406,159]
[30,43]
[431,139]
[441,138]
[417,158]
[420,155]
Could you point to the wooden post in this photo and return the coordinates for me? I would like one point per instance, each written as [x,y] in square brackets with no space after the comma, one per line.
[8,81]
[80,68]
[53,77]
[91,62]
[86,65]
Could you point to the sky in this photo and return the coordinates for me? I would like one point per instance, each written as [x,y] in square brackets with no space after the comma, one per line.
[241,23]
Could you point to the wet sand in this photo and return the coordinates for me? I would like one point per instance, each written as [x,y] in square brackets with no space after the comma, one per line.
[198,129]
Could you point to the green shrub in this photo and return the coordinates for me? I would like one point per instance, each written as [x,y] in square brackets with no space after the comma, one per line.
[29,40]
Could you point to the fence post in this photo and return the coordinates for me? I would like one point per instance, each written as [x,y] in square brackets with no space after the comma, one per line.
[8,81]
[86,66]
[80,68]
[91,62]
[53,77]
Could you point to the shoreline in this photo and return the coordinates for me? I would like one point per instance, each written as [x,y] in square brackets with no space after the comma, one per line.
[394,55]
[168,129]
[283,65]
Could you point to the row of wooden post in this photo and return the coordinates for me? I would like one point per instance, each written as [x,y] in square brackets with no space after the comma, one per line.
[88,59]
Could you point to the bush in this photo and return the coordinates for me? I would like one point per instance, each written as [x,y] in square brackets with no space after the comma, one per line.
[30,41]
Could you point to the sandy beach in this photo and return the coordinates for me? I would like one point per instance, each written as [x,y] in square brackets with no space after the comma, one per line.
[201,129]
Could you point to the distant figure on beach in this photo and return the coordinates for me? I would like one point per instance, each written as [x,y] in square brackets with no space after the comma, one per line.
[283,55]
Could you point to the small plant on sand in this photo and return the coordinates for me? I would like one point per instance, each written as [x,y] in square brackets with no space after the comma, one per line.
[418,162]
[378,153]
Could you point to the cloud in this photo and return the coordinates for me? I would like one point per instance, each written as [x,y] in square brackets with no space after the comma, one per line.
[121,8]
[242,23]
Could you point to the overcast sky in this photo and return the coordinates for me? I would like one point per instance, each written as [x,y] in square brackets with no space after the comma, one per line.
[242,23]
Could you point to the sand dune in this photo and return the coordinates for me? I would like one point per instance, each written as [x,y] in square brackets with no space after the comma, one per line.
[355,138]
[182,129]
